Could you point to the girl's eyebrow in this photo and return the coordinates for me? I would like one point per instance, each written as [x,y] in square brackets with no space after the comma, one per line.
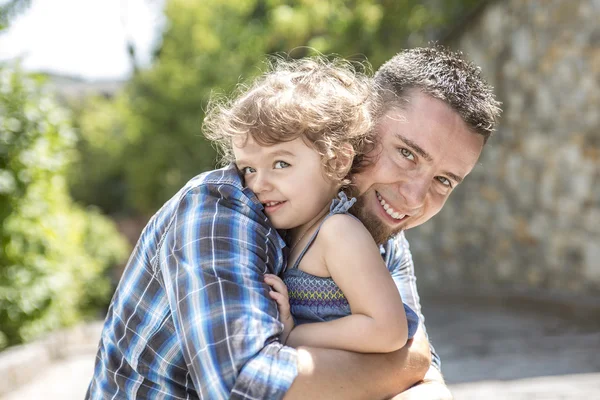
[282,152]
[276,153]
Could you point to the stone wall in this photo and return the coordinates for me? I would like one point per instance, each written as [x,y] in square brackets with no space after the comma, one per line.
[528,216]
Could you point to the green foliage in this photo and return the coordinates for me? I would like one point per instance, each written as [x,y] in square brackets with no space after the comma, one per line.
[9,9]
[98,175]
[154,124]
[53,253]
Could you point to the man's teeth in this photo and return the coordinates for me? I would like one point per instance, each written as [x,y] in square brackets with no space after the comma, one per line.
[388,209]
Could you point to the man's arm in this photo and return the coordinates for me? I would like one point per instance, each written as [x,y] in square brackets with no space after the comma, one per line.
[338,374]
[212,260]
[432,387]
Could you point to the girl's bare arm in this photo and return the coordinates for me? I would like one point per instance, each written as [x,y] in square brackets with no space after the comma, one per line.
[378,322]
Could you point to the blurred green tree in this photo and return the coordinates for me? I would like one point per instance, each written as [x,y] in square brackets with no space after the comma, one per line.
[9,9]
[150,134]
[53,253]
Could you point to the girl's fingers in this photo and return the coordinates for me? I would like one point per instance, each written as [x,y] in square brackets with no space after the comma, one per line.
[273,278]
[277,284]
[282,301]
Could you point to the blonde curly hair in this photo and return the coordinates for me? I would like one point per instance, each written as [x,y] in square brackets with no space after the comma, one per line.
[328,103]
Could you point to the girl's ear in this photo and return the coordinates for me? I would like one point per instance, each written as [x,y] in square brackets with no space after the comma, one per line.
[343,160]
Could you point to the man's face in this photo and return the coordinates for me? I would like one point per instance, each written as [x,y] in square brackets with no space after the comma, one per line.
[424,151]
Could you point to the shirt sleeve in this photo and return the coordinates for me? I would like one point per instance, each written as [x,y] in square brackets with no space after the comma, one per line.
[400,263]
[213,259]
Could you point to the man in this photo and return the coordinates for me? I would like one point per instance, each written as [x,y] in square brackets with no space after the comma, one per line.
[192,317]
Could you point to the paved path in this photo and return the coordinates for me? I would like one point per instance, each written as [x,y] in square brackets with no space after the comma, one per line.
[66,380]
[489,351]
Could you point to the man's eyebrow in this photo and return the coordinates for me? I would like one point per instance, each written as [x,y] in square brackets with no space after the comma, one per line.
[457,178]
[414,147]
[420,151]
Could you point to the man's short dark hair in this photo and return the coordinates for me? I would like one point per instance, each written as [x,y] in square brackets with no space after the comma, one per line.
[441,74]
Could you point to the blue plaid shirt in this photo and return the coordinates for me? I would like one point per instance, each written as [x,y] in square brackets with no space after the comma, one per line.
[191,317]
[398,258]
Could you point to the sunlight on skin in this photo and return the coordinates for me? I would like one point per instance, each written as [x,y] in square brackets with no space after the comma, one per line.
[306,364]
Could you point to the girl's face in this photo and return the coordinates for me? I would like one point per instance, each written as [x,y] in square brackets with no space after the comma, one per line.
[288,180]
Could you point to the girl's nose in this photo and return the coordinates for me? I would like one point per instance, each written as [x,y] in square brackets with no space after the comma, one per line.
[261,183]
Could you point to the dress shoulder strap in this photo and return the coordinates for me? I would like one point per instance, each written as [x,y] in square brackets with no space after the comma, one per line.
[339,205]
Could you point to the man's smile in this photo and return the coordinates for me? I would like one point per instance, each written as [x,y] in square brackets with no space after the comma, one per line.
[389,210]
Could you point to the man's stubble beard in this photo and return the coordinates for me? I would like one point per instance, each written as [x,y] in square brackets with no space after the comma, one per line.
[380,232]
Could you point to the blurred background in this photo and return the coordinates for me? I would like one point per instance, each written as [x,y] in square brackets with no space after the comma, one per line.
[101,106]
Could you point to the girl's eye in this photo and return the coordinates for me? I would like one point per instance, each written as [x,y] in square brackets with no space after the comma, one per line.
[444,181]
[280,164]
[407,154]
[247,170]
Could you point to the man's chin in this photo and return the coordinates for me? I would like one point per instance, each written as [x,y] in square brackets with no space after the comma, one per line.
[380,232]
[378,229]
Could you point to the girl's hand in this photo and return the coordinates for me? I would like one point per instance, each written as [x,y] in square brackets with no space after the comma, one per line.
[279,293]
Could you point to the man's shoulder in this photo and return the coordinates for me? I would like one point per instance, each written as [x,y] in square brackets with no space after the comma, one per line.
[397,242]
[395,251]
[225,183]
[228,175]
[205,189]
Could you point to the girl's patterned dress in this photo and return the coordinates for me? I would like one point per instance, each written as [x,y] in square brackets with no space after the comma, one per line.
[317,299]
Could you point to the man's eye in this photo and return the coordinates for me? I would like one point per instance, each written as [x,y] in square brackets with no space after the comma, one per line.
[444,181]
[247,170]
[407,154]
[280,164]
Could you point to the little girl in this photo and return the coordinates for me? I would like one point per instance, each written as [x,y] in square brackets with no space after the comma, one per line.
[294,135]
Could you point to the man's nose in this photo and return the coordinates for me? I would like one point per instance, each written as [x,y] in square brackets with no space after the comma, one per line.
[414,193]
